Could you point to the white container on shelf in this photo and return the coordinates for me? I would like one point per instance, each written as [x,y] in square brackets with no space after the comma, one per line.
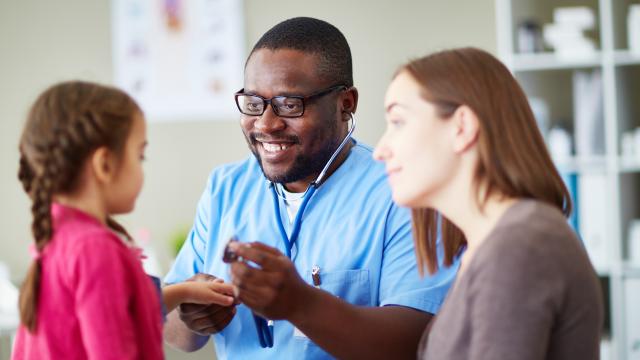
[634,242]
[633,29]
[593,225]
[581,17]
[628,145]
[559,143]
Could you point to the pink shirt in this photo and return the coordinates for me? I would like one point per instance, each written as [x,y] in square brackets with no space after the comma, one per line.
[95,300]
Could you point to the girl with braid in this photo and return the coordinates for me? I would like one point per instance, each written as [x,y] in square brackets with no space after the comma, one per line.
[86,294]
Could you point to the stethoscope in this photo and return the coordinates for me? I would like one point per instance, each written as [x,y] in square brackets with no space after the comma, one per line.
[264,326]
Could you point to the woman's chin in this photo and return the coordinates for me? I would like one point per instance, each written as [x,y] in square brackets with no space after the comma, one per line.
[413,201]
[403,200]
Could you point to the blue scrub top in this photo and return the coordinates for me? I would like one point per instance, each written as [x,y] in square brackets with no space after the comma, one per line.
[351,229]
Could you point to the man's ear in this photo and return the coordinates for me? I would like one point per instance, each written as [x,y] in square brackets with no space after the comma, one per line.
[349,103]
[103,164]
[466,127]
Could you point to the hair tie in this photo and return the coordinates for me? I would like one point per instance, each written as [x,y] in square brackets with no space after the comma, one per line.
[139,252]
[35,254]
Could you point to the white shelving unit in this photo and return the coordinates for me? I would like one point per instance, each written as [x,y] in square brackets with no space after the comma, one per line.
[546,76]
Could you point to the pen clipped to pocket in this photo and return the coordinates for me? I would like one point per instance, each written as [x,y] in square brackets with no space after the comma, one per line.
[315,276]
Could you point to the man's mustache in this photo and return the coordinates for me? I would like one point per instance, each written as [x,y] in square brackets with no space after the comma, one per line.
[273,138]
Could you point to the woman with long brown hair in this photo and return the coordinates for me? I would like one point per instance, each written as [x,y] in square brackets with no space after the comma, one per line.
[462,149]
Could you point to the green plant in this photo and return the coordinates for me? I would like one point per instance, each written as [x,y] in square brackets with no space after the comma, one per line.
[178,238]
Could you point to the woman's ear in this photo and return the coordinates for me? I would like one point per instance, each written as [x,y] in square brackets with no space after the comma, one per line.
[103,165]
[466,127]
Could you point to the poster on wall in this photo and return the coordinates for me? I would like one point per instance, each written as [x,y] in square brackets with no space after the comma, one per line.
[180,59]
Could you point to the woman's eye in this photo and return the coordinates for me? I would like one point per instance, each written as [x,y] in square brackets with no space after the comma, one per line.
[396,122]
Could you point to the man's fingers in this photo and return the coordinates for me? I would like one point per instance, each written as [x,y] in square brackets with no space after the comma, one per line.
[192,309]
[254,287]
[266,257]
[247,279]
[265,247]
[242,275]
[220,324]
[199,310]
[211,319]
[220,321]
[255,300]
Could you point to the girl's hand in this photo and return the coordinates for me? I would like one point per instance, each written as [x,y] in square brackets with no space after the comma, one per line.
[210,292]
[198,292]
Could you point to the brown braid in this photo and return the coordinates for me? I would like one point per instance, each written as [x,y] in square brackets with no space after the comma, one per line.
[115,226]
[25,174]
[65,125]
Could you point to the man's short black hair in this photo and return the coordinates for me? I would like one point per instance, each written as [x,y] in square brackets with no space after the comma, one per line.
[317,37]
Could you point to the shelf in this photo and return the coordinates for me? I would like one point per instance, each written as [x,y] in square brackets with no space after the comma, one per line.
[575,165]
[625,57]
[550,61]
[629,165]
[602,272]
[631,270]
[614,190]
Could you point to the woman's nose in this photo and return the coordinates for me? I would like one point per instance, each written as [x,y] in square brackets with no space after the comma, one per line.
[381,151]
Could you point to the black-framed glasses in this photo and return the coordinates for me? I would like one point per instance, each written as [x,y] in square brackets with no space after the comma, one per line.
[285,106]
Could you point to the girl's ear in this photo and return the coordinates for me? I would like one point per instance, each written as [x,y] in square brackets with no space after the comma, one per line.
[466,127]
[103,165]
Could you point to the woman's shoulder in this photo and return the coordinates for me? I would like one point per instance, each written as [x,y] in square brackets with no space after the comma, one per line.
[535,215]
[533,237]
[533,224]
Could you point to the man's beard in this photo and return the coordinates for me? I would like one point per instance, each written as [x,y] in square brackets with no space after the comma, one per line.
[303,166]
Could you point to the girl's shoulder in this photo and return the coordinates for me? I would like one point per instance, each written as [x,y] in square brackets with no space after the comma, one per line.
[75,230]
[73,241]
[91,256]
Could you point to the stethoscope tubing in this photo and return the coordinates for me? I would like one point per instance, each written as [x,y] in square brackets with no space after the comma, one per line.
[265,330]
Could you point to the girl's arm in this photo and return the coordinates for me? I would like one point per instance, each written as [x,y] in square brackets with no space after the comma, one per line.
[209,292]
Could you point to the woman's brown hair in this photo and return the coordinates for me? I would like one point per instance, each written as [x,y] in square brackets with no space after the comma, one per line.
[513,158]
[65,125]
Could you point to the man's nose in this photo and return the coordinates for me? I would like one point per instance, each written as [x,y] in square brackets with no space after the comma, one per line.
[269,121]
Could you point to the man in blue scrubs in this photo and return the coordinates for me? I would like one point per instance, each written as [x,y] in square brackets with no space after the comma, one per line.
[346,285]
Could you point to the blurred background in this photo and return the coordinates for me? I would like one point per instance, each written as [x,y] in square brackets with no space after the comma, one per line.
[578,61]
[43,42]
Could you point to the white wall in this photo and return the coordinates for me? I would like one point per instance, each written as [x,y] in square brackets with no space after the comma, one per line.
[42,42]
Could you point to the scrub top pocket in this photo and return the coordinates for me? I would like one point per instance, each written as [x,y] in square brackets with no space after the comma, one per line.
[352,286]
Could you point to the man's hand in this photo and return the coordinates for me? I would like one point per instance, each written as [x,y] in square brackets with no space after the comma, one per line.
[206,319]
[274,290]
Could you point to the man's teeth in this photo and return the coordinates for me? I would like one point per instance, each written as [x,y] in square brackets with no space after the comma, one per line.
[275,147]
